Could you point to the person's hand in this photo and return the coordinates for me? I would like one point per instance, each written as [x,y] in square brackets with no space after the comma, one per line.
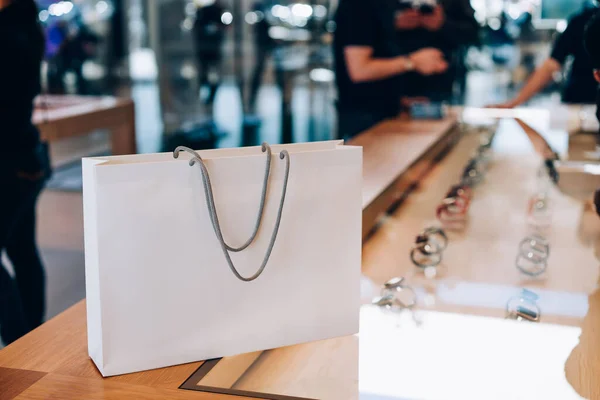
[429,61]
[408,20]
[435,20]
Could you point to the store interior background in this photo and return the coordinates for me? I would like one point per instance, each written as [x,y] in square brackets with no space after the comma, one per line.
[144,49]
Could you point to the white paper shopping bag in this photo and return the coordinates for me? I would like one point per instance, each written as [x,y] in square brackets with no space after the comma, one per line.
[251,253]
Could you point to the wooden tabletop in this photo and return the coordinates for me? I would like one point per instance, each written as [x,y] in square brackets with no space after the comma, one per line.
[59,117]
[396,155]
[456,345]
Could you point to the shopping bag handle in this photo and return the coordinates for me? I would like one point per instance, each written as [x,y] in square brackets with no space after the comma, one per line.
[212,211]
[265,148]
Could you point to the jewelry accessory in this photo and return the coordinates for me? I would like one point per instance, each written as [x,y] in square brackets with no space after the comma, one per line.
[390,295]
[524,307]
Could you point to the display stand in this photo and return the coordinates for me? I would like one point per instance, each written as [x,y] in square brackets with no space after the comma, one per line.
[455,343]
[61,117]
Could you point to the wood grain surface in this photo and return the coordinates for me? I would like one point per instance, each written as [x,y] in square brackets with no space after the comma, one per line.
[59,117]
[396,155]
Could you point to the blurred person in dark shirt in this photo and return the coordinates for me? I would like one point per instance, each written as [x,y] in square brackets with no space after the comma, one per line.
[209,34]
[447,25]
[592,45]
[24,168]
[580,87]
[369,62]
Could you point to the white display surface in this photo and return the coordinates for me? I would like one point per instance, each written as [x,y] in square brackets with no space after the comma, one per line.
[450,356]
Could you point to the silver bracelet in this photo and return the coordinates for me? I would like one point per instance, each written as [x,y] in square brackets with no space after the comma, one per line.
[390,292]
[524,307]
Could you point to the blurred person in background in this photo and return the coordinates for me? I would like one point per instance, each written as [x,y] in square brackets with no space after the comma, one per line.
[209,35]
[580,86]
[447,25]
[264,45]
[79,45]
[24,169]
[369,63]
[592,45]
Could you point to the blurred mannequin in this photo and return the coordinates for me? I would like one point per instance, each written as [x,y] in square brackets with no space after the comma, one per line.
[24,168]
[580,86]
[209,34]
[447,25]
[369,61]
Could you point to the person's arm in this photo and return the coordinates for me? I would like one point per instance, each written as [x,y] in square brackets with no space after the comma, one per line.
[540,78]
[363,67]
[543,75]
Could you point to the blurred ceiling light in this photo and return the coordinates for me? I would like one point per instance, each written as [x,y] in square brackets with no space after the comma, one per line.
[251,18]
[320,11]
[187,24]
[190,9]
[515,11]
[561,26]
[43,15]
[61,8]
[280,11]
[302,10]
[101,7]
[227,18]
[300,22]
[278,32]
[204,3]
[188,71]
[495,23]
[322,75]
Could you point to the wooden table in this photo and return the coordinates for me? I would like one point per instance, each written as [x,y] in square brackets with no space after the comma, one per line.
[61,117]
[396,155]
[455,346]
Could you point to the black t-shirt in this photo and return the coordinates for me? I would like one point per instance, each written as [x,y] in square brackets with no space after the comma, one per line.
[598,108]
[21,52]
[368,23]
[581,87]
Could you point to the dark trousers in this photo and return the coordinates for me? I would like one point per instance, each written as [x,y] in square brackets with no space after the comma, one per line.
[207,63]
[22,296]
[353,122]
[262,55]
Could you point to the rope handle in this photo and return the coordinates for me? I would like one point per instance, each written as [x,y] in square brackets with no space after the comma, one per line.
[212,211]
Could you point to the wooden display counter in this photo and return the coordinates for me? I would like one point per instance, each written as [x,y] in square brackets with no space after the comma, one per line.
[456,343]
[60,117]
